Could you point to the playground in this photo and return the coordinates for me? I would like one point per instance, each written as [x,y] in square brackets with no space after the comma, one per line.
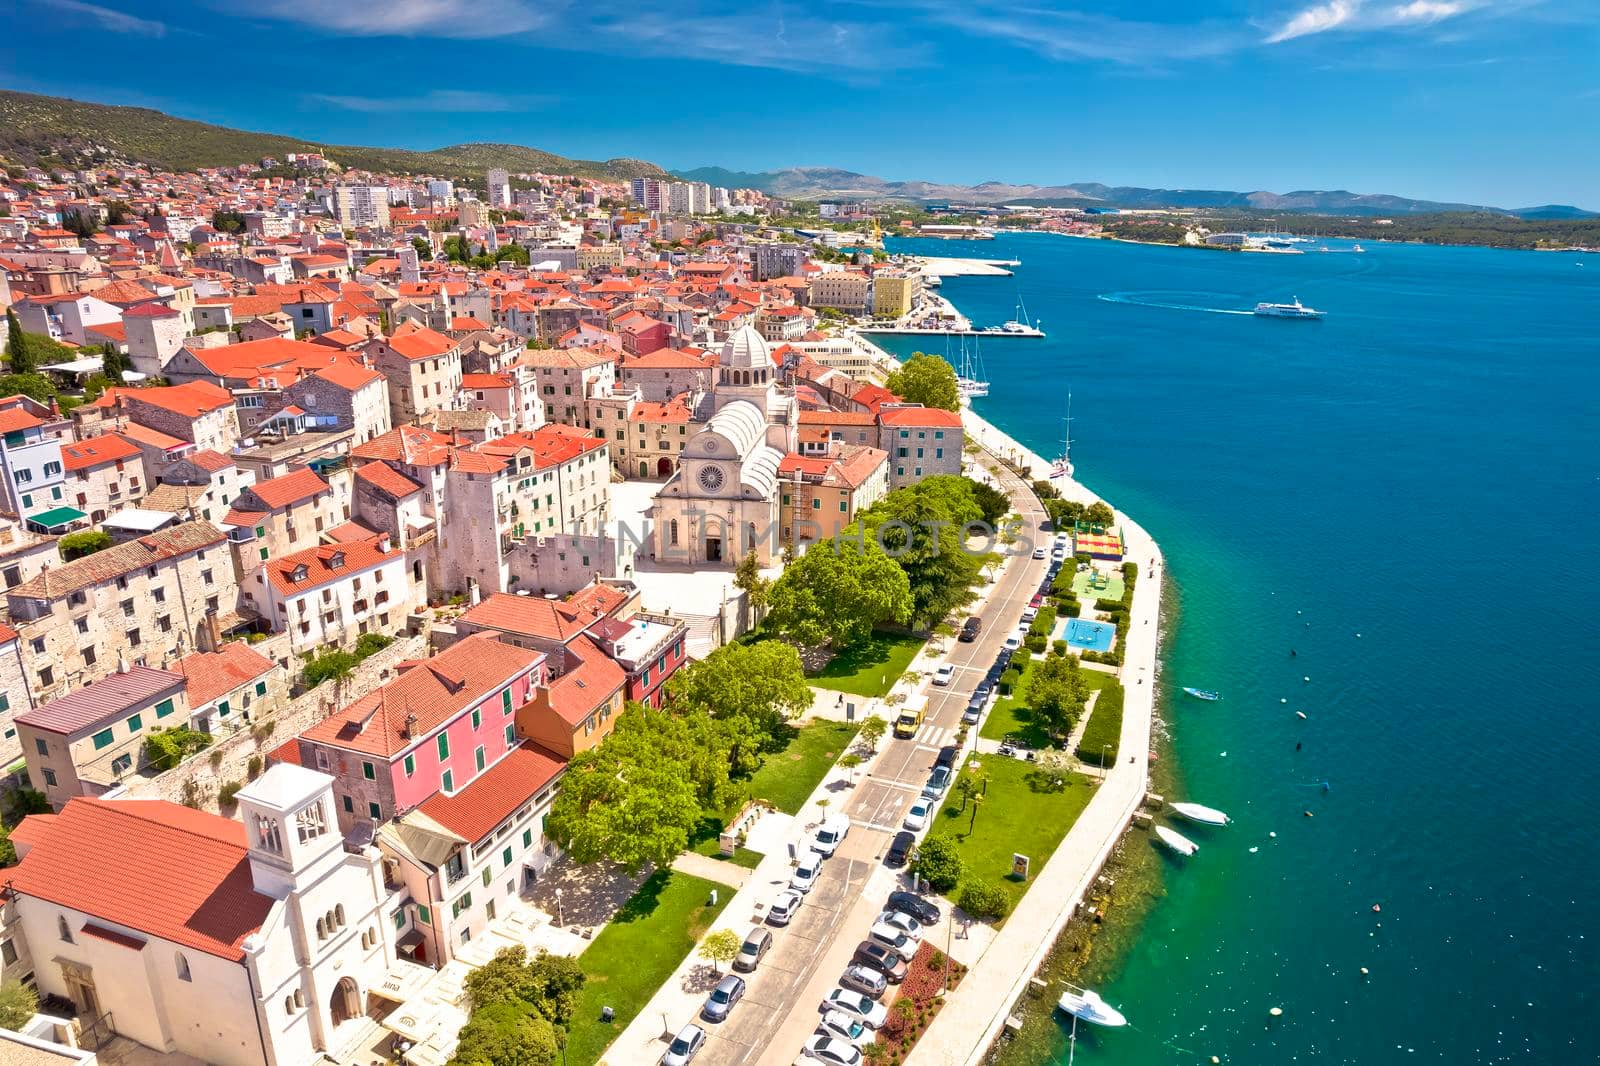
[1095,584]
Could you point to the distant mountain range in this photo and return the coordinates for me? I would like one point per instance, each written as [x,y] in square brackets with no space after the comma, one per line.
[31,126]
[811,183]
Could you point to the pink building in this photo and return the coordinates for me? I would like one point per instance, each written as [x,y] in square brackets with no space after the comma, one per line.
[433,729]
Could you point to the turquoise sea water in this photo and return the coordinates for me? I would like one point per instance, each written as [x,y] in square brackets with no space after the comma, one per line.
[1405,494]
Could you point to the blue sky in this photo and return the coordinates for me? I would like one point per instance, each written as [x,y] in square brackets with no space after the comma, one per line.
[1484,101]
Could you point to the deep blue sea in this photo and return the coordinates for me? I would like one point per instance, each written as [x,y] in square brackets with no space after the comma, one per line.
[1405,494]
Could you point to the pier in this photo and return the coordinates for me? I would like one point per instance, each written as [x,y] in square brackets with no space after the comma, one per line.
[941,267]
[1028,331]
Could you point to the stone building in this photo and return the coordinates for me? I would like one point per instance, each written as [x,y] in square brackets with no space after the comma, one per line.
[104,474]
[343,397]
[423,368]
[198,412]
[281,515]
[333,593]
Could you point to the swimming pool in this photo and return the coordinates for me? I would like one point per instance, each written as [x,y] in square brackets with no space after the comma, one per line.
[1090,636]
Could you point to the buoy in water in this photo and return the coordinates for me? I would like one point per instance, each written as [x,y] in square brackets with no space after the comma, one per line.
[1284,700]
[1364,971]
[1376,909]
[1308,814]
[1273,834]
[1300,715]
[1276,1012]
[1307,680]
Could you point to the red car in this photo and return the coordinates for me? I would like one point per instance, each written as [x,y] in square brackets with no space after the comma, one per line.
[1037,601]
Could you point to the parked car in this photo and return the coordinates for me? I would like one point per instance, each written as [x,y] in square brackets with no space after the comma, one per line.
[970,629]
[1030,613]
[685,1046]
[914,905]
[830,835]
[1039,553]
[753,950]
[899,852]
[895,939]
[872,954]
[910,720]
[947,756]
[837,1023]
[864,979]
[938,781]
[723,998]
[1013,642]
[783,908]
[943,674]
[832,1050]
[871,1012]
[903,922]
[973,712]
[985,687]
[805,874]
[917,815]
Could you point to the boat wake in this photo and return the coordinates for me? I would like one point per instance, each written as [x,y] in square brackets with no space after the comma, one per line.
[1139,299]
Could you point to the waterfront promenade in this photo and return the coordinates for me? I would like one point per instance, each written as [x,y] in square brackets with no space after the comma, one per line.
[976,1012]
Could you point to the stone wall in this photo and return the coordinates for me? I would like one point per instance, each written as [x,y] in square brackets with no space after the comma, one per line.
[199,780]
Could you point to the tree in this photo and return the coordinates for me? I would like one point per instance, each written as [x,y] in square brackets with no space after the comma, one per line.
[926,379]
[1057,692]
[424,249]
[994,504]
[507,1034]
[18,1003]
[763,682]
[720,946]
[837,592]
[8,850]
[920,528]
[748,578]
[872,730]
[85,542]
[17,344]
[850,761]
[335,665]
[938,862]
[549,982]
[1099,513]
[33,385]
[627,799]
[984,899]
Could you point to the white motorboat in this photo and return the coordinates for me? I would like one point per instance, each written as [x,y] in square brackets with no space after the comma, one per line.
[1087,1005]
[1294,310]
[1176,841]
[1204,815]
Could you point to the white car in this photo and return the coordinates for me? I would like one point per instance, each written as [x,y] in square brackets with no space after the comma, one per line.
[917,816]
[1039,553]
[895,939]
[1013,642]
[830,836]
[871,1013]
[805,874]
[783,908]
[838,1024]
[903,922]
[943,675]
[1029,614]
[832,1050]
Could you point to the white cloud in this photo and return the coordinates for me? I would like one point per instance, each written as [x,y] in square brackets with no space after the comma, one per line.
[460,19]
[451,101]
[1426,11]
[1318,18]
[109,19]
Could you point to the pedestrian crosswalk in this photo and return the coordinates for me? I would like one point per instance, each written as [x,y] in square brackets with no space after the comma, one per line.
[935,736]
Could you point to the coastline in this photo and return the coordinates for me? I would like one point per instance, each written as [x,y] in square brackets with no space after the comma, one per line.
[967,1030]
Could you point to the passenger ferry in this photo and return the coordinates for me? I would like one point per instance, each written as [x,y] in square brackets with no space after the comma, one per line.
[1294,310]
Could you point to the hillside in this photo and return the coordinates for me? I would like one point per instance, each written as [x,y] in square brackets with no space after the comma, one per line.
[31,125]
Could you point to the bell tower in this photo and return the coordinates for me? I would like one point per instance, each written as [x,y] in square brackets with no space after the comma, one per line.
[291,828]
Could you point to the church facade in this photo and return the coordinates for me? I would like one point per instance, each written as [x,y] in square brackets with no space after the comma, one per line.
[722,503]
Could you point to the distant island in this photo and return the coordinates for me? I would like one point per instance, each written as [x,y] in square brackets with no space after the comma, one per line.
[1485,228]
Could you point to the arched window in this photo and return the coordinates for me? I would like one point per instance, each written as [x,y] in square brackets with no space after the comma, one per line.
[288,1004]
[322,930]
[62,930]
[299,1000]
[674,532]
[183,968]
[338,916]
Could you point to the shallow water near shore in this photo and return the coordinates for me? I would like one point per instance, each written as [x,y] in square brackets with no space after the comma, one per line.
[1398,503]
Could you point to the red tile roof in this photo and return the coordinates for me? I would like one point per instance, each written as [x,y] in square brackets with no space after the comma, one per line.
[579,692]
[433,691]
[494,795]
[919,416]
[386,478]
[164,870]
[420,344]
[355,557]
[191,399]
[348,375]
[216,673]
[15,419]
[93,451]
[289,489]
[532,616]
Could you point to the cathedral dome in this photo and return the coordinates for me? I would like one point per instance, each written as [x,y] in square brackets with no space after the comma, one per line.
[746,349]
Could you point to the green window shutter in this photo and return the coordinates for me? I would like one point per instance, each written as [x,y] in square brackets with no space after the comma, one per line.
[102,739]
[477,719]
[261,688]
[5,703]
[411,765]
[424,915]
[505,701]
[477,757]
[527,838]
[163,708]
[444,745]
[261,531]
[505,857]
[399,917]
[447,782]
[222,708]
[134,723]
[349,805]
[511,736]
[368,772]
[374,810]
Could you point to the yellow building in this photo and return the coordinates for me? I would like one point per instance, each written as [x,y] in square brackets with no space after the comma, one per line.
[894,293]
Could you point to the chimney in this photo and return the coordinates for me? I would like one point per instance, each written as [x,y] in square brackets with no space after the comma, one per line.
[212,632]
[122,662]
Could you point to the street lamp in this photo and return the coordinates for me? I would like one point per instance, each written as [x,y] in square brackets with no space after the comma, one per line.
[560,919]
[1103,748]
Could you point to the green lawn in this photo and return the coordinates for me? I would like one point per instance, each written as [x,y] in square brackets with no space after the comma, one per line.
[1018,815]
[634,954]
[871,669]
[1011,716]
[787,778]
[705,842]
[1111,591]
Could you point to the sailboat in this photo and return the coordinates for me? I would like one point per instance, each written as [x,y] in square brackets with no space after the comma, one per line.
[968,382]
[1063,465]
[1020,324]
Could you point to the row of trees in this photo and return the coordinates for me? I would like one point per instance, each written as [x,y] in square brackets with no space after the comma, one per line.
[639,796]
[904,561]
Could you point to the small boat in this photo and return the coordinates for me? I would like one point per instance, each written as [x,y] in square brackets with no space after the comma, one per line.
[1203,693]
[1294,310]
[1204,815]
[1086,1004]
[1176,841]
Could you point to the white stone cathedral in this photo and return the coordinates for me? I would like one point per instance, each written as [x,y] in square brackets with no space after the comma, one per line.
[722,503]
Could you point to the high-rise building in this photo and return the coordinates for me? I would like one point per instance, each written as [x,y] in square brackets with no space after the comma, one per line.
[442,193]
[361,206]
[499,188]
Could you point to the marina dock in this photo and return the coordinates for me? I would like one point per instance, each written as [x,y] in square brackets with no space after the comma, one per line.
[941,267]
[992,333]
